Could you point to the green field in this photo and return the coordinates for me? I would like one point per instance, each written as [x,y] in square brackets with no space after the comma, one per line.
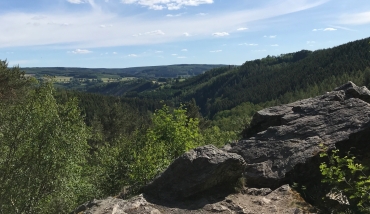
[62,79]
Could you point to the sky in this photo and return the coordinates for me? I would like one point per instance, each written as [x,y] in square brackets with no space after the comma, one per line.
[131,33]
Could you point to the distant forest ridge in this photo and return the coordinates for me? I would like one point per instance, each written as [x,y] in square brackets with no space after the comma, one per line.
[279,79]
[166,71]
[273,79]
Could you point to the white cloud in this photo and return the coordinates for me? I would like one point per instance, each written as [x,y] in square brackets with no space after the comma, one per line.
[242,28]
[104,26]
[202,14]
[155,32]
[216,51]
[150,33]
[325,29]
[175,15]
[310,42]
[250,44]
[114,53]
[271,37]
[81,51]
[167,4]
[158,52]
[76,1]
[156,7]
[355,19]
[275,45]
[16,33]
[174,54]
[343,28]
[220,34]
[132,55]
[90,2]
[184,50]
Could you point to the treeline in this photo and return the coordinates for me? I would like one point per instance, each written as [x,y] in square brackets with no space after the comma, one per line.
[267,79]
[168,71]
[130,88]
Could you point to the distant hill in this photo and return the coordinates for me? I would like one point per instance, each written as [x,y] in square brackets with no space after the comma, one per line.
[270,81]
[166,71]
[279,79]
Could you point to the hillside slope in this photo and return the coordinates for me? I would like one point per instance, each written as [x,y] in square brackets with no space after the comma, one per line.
[271,78]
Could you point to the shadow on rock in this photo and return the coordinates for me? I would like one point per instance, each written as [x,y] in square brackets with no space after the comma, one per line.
[203,171]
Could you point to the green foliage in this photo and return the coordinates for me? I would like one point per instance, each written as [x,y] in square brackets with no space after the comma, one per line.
[42,155]
[131,161]
[235,119]
[171,134]
[349,176]
[215,136]
[175,131]
[13,82]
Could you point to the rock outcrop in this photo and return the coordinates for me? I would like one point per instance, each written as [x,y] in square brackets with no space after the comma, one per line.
[282,139]
[281,146]
[196,171]
[283,200]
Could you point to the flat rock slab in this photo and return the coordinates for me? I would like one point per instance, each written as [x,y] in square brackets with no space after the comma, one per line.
[282,137]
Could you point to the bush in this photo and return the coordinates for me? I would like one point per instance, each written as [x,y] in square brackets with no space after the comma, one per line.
[349,177]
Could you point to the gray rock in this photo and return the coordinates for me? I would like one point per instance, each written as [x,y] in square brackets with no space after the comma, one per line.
[258,192]
[284,138]
[282,200]
[111,205]
[196,171]
[86,206]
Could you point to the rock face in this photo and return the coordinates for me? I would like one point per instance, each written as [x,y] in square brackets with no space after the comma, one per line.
[284,138]
[198,170]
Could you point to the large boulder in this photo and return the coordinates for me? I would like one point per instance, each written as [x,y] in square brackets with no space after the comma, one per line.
[282,140]
[196,171]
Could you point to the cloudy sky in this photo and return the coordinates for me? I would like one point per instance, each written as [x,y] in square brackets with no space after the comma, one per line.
[128,33]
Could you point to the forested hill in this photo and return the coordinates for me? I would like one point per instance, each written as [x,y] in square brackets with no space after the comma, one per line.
[278,79]
[168,71]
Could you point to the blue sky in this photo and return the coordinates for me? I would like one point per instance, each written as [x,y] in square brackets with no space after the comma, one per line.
[129,33]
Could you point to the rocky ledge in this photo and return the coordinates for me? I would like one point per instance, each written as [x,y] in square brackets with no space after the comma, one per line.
[253,201]
[280,147]
[283,142]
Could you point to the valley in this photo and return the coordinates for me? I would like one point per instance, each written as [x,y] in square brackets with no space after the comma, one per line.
[95,133]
